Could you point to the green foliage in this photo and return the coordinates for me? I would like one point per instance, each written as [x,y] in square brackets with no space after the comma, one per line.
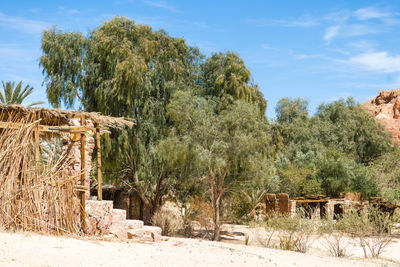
[224,75]
[386,170]
[123,69]
[225,145]
[299,181]
[15,94]
[289,110]
[353,130]
[330,152]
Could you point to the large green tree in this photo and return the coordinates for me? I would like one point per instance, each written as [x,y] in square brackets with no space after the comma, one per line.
[226,147]
[224,76]
[123,69]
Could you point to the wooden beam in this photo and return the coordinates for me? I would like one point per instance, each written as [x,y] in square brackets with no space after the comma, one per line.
[83,163]
[99,174]
[48,128]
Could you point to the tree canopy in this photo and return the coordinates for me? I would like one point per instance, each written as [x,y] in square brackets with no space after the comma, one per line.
[201,127]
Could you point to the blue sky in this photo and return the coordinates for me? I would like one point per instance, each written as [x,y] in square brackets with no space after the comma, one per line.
[319,50]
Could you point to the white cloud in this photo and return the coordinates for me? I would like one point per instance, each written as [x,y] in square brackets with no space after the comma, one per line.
[22,24]
[304,22]
[306,56]
[331,32]
[363,45]
[67,11]
[163,5]
[371,13]
[377,61]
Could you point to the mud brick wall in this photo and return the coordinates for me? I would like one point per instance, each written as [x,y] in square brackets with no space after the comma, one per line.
[270,203]
[284,204]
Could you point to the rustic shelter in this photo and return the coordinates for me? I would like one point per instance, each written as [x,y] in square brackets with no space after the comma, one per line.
[76,129]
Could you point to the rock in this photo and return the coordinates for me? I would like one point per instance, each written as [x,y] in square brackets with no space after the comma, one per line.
[386,109]
[118,227]
[147,233]
[99,216]
[134,224]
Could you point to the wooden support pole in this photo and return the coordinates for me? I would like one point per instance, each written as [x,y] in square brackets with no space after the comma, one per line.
[37,143]
[83,163]
[99,174]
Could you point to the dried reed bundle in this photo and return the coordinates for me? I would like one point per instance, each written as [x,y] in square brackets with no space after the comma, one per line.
[34,196]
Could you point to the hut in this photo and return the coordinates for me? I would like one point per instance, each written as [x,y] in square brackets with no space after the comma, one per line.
[76,130]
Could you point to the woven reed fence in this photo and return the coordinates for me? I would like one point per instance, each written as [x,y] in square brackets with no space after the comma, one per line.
[34,196]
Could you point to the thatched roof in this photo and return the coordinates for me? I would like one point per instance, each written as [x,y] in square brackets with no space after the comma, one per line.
[58,117]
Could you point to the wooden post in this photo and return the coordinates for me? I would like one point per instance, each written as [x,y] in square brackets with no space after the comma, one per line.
[37,142]
[99,174]
[83,163]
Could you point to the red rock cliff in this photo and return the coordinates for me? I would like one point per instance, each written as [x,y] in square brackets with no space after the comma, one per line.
[386,109]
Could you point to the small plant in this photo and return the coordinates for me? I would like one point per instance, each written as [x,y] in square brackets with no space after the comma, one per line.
[246,239]
[294,232]
[168,222]
[334,238]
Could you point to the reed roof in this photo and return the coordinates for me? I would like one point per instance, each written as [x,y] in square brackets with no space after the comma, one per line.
[58,117]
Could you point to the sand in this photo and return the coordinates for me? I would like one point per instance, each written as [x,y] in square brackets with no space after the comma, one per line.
[27,249]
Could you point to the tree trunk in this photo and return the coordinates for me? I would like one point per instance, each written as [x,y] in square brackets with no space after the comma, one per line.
[217,227]
[149,206]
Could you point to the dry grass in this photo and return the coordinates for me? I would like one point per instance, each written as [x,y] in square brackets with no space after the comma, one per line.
[34,197]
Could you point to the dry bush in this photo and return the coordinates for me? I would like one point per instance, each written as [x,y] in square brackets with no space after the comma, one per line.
[264,239]
[167,221]
[200,211]
[168,217]
[370,228]
[334,239]
[294,232]
[34,197]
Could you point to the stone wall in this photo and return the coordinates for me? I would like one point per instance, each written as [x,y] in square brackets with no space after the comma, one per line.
[71,149]
[99,217]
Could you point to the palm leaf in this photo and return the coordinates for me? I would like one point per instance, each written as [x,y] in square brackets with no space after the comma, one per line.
[35,103]
[15,95]
[2,99]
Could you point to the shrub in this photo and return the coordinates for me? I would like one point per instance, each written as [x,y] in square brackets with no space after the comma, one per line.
[294,232]
[334,238]
[200,211]
[168,219]
[371,229]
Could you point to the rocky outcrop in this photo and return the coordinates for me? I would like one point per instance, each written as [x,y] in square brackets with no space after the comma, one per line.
[386,109]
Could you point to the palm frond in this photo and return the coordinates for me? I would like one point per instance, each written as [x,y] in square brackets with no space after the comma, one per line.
[36,103]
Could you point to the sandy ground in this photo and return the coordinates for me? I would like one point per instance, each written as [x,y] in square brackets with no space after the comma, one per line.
[317,245]
[26,249]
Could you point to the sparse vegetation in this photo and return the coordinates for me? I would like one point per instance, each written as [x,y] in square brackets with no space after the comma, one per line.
[294,232]
[370,228]
[168,222]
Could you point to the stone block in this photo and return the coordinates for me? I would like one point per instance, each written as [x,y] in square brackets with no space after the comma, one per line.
[99,216]
[118,227]
[147,233]
[134,224]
